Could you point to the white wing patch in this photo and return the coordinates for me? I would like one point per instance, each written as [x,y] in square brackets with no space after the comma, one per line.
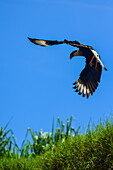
[41,42]
[84,90]
[97,57]
[81,88]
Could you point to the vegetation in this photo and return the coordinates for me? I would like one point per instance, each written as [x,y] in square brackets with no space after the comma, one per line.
[63,149]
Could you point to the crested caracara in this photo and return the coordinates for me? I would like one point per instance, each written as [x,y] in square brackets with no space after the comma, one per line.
[91,74]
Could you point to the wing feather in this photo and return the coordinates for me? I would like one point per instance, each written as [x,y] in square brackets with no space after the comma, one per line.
[89,78]
[90,75]
[46,43]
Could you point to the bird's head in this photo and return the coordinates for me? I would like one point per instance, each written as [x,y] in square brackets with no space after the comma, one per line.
[76,53]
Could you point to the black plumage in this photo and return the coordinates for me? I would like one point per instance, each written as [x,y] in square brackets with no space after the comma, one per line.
[91,74]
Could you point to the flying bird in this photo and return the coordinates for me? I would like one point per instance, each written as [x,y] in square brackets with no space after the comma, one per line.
[90,76]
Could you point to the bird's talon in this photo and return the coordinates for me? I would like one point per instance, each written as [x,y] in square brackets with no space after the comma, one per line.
[89,77]
[95,67]
[91,64]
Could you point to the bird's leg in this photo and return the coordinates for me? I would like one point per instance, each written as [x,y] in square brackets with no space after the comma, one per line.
[96,65]
[91,61]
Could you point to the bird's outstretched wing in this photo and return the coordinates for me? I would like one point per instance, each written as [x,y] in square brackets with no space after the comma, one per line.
[90,76]
[46,43]
[89,79]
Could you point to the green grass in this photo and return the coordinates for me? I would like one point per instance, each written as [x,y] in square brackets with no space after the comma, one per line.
[65,148]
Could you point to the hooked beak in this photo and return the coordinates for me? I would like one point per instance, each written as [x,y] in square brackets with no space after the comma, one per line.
[76,53]
[71,56]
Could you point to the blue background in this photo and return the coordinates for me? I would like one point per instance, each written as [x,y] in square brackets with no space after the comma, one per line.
[36,82]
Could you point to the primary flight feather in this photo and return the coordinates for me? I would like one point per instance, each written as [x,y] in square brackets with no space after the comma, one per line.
[91,74]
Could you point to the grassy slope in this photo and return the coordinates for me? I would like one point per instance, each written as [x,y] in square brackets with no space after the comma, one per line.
[92,150]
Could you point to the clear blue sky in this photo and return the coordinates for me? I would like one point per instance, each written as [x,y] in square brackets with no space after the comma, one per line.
[36,82]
